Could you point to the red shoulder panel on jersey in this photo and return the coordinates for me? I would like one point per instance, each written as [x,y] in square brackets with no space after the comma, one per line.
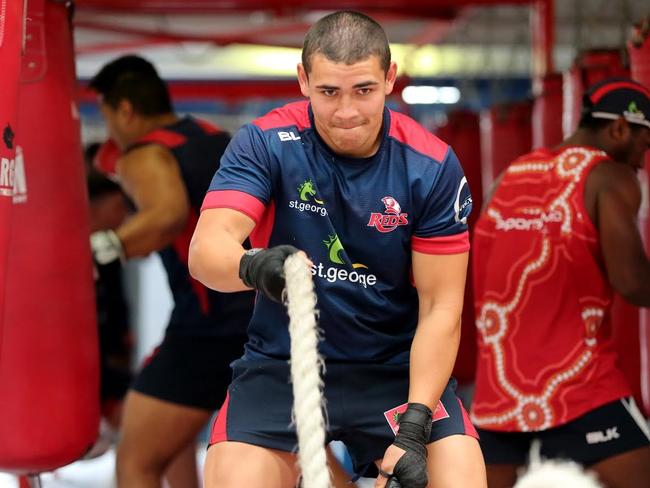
[207,127]
[455,244]
[409,132]
[163,137]
[236,200]
[296,113]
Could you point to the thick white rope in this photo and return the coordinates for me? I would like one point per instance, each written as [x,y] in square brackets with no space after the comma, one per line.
[306,365]
[542,473]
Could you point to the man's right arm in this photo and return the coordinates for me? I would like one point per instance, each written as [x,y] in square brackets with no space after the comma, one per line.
[216,248]
[617,200]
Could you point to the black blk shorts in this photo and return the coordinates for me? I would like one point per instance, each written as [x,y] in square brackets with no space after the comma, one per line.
[189,370]
[361,402]
[606,431]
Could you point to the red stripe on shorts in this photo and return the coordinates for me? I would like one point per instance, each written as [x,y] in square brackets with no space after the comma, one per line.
[219,433]
[467,423]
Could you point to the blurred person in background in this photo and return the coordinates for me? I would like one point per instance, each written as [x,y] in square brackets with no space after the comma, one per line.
[164,167]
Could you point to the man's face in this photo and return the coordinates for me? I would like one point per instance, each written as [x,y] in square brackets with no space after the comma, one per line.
[348,102]
[639,145]
[633,149]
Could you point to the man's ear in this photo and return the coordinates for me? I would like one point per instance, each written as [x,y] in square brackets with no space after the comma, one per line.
[303,80]
[391,76]
[125,109]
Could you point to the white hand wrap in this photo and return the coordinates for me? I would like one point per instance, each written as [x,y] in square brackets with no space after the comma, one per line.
[106,247]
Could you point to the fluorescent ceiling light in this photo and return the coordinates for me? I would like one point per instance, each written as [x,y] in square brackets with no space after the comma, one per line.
[423,94]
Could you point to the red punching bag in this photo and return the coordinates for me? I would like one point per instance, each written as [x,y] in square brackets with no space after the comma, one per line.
[547,111]
[639,50]
[11,38]
[506,134]
[462,133]
[49,367]
[589,68]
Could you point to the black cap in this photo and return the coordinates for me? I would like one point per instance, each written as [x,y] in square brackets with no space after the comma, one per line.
[618,97]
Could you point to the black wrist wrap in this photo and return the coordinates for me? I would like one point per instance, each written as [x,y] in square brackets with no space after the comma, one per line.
[245,267]
[413,436]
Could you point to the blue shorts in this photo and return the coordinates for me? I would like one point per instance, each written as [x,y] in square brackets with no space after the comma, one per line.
[361,401]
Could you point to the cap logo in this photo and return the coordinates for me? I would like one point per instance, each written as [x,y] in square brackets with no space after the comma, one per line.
[633,114]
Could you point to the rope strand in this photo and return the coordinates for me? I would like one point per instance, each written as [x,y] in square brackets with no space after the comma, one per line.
[306,365]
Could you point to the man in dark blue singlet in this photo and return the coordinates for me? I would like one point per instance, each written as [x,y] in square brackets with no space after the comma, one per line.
[165,169]
[380,206]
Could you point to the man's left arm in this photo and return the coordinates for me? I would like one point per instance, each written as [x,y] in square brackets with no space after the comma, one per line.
[151,177]
[440,282]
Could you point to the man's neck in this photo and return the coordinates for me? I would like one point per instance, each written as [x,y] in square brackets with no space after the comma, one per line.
[149,124]
[583,137]
[152,123]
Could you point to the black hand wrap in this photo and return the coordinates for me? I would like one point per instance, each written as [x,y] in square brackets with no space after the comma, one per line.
[413,436]
[263,269]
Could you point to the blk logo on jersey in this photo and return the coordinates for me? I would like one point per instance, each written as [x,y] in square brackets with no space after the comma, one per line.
[288,136]
[392,217]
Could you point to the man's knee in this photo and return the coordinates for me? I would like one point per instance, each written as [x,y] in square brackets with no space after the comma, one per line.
[627,470]
[234,464]
[131,461]
[456,461]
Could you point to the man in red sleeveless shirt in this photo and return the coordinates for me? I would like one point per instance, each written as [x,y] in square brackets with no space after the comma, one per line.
[558,237]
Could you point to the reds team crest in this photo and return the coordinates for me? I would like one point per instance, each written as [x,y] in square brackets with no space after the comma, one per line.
[392,217]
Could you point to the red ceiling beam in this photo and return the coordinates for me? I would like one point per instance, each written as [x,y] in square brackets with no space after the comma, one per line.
[433,30]
[159,36]
[120,46]
[421,8]
[229,91]
[225,91]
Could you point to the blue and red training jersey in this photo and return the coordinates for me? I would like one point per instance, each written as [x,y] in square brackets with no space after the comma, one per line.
[197,146]
[358,220]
